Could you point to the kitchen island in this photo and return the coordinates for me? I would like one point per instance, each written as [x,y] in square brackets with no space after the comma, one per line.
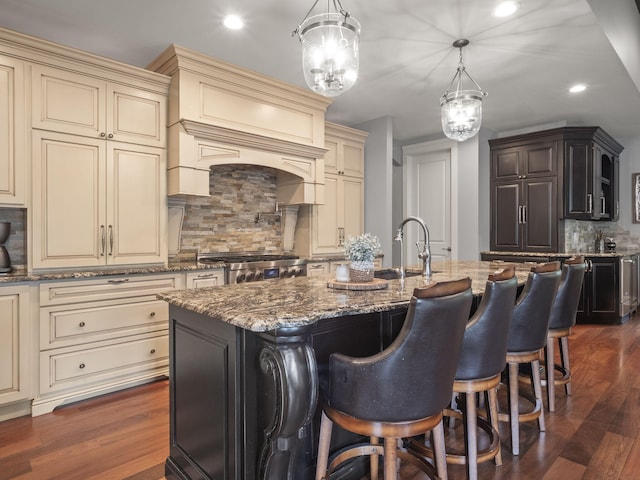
[245,362]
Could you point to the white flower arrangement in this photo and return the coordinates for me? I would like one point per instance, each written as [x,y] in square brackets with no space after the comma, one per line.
[362,248]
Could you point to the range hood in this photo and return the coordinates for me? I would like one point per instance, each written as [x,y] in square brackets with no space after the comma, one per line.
[221,114]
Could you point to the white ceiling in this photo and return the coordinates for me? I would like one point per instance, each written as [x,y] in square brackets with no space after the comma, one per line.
[526,63]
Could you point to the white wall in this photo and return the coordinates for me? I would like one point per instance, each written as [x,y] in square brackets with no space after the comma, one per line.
[378,176]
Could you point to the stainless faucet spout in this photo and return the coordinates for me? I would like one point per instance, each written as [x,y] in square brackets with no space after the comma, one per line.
[425,254]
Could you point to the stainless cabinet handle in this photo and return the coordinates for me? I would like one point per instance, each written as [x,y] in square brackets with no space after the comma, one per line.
[603,208]
[589,203]
[110,240]
[81,324]
[206,275]
[524,214]
[110,135]
[103,241]
[118,282]
[102,134]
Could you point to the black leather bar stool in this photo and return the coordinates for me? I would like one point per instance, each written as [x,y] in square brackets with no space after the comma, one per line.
[482,359]
[527,338]
[401,391]
[563,318]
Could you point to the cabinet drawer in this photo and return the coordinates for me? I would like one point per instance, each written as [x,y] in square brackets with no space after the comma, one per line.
[67,368]
[61,326]
[106,288]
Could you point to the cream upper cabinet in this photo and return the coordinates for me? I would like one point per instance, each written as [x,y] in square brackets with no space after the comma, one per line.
[97,202]
[323,228]
[84,105]
[12,132]
[15,342]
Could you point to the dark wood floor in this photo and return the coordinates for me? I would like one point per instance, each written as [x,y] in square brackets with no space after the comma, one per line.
[594,434]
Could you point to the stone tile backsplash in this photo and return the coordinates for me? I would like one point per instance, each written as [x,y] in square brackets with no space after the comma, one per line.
[580,236]
[225,221]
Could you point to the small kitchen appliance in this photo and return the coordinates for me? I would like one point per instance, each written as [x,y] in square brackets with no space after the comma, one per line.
[252,267]
[5,261]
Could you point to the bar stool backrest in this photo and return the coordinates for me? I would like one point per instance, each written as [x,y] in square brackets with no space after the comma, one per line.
[413,377]
[484,347]
[565,306]
[530,321]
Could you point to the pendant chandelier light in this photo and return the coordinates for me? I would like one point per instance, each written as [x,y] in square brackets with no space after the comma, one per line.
[460,108]
[329,49]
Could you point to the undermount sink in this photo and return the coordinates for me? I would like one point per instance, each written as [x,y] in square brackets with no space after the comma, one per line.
[392,274]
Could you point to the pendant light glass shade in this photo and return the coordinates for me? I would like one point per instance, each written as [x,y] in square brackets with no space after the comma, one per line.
[330,58]
[461,109]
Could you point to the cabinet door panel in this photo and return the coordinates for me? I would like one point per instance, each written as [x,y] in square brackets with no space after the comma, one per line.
[353,161]
[540,159]
[506,163]
[331,157]
[505,227]
[353,194]
[136,116]
[327,218]
[604,283]
[12,132]
[540,228]
[68,102]
[136,226]
[15,342]
[579,184]
[68,178]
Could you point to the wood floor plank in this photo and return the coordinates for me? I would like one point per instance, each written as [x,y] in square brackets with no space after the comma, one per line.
[563,469]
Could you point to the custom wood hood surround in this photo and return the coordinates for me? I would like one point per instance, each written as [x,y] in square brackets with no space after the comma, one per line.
[222,114]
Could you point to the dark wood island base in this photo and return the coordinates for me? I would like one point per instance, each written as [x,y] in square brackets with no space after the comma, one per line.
[246,361]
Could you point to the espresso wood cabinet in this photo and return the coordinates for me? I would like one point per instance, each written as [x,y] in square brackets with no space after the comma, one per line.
[539,179]
[592,174]
[524,193]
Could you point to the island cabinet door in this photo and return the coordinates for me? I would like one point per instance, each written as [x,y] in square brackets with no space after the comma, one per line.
[207,439]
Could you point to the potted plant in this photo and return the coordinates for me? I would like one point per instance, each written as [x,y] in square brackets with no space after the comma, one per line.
[361,251]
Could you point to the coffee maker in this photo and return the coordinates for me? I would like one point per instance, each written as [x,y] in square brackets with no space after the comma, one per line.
[5,261]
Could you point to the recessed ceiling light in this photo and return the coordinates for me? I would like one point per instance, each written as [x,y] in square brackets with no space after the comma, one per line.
[233,22]
[580,87]
[504,9]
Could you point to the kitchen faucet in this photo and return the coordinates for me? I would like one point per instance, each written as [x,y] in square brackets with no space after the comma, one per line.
[424,255]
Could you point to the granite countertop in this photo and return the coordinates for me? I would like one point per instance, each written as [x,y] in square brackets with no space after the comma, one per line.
[21,275]
[269,305]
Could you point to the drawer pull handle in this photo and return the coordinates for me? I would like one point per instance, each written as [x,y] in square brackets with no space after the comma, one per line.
[81,324]
[118,282]
[82,365]
[153,350]
[152,314]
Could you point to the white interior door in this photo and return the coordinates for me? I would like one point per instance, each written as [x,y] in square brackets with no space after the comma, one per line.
[428,196]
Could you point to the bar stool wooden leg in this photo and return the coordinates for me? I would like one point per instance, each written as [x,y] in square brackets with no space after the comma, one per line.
[537,389]
[513,408]
[550,374]
[326,426]
[471,437]
[439,454]
[564,356]
[493,412]
[373,459]
[390,458]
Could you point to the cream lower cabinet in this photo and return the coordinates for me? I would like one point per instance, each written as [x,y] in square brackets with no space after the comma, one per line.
[97,202]
[15,351]
[101,334]
[12,132]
